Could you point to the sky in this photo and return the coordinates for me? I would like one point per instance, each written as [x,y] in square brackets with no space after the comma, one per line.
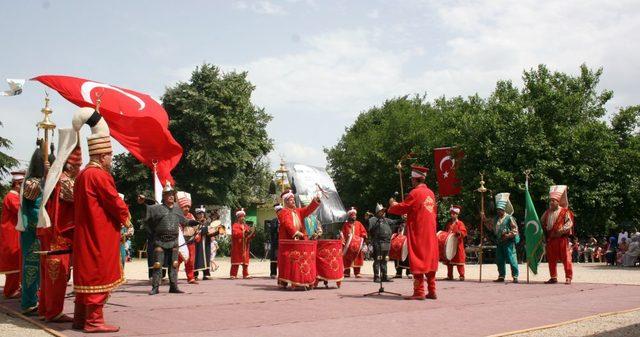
[316,65]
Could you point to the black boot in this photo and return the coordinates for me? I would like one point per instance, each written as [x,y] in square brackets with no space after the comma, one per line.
[154,290]
[174,289]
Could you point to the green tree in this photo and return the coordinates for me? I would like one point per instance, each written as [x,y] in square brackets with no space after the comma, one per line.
[223,135]
[554,126]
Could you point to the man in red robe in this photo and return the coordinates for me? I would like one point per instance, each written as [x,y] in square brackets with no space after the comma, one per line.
[353,228]
[421,210]
[557,224]
[55,228]
[10,238]
[99,216]
[184,201]
[241,235]
[291,219]
[457,227]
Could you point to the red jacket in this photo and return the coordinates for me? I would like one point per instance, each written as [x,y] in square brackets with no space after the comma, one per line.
[421,209]
[99,215]
[292,220]
[240,243]
[9,236]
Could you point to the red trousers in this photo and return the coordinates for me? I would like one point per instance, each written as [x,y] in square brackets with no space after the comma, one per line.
[87,313]
[189,264]
[234,270]
[418,283]
[356,271]
[54,271]
[558,249]
[11,284]
[450,270]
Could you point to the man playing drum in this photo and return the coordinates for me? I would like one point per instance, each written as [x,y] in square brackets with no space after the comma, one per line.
[421,210]
[353,231]
[291,226]
[457,228]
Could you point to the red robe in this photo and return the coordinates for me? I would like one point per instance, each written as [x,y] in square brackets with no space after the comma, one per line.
[356,228]
[421,209]
[55,268]
[557,241]
[240,244]
[99,215]
[10,243]
[458,228]
[292,220]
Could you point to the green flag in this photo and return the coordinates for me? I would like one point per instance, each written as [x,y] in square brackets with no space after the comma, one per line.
[533,232]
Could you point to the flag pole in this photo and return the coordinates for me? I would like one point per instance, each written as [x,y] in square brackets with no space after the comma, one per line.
[527,173]
[482,191]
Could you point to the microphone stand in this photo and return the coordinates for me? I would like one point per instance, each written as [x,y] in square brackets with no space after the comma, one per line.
[381,290]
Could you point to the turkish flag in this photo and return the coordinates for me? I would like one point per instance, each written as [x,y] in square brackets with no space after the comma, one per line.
[136,120]
[446,163]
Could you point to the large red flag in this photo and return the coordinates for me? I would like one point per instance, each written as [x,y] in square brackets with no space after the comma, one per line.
[136,120]
[446,163]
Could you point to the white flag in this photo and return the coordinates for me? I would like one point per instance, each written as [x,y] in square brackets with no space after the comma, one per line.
[15,87]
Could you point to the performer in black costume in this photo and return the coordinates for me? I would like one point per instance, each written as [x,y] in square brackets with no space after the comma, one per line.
[162,222]
[380,230]
[203,243]
[272,229]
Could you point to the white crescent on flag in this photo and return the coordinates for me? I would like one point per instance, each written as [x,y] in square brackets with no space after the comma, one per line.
[445,159]
[534,223]
[87,86]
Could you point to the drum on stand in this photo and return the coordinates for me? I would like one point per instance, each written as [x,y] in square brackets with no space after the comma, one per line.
[297,262]
[329,262]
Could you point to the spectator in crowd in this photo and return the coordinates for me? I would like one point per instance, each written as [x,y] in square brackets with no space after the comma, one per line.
[623,246]
[623,234]
[630,258]
[590,249]
[575,250]
[610,253]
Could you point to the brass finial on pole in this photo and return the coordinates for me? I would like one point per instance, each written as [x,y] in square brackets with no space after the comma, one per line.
[399,167]
[482,190]
[282,175]
[47,125]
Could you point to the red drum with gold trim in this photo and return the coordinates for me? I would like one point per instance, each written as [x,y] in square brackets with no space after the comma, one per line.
[329,260]
[297,262]
[398,249]
[352,249]
[447,245]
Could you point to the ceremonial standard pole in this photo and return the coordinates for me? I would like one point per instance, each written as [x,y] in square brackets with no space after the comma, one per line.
[47,125]
[482,191]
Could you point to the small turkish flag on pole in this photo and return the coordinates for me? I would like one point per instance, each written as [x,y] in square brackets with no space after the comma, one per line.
[446,163]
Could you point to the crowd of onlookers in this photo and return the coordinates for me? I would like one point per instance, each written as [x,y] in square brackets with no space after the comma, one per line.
[622,249]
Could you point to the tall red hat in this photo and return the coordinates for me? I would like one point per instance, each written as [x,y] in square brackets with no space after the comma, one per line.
[418,171]
[75,157]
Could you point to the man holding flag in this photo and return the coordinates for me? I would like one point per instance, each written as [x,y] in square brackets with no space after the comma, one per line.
[557,223]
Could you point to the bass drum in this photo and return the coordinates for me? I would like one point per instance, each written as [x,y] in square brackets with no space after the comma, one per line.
[398,249]
[351,250]
[447,245]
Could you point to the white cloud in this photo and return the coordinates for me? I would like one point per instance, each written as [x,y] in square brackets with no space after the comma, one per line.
[373,14]
[260,7]
[341,72]
[297,153]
